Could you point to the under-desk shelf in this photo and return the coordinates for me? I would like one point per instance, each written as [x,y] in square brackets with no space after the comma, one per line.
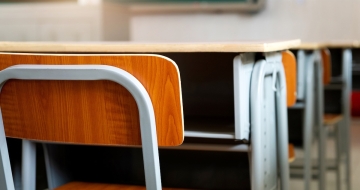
[212,147]
[210,128]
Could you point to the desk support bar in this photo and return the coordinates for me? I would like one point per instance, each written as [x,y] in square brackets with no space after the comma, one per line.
[90,72]
[347,77]
[243,67]
[319,115]
[282,122]
[308,118]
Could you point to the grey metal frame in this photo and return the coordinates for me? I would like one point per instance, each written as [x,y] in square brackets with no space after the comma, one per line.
[314,111]
[347,78]
[28,169]
[307,61]
[86,72]
[319,115]
[342,133]
[273,67]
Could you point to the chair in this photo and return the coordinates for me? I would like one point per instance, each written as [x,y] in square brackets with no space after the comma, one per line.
[332,119]
[111,100]
[305,115]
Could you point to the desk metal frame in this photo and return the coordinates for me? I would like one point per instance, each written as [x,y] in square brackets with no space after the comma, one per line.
[268,119]
[260,118]
[347,78]
[343,151]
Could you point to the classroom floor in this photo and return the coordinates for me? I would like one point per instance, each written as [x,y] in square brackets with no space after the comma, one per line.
[297,183]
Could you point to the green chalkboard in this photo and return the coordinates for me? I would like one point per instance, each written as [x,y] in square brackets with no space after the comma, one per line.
[186,1]
[145,6]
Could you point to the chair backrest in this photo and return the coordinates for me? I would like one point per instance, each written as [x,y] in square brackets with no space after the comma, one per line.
[326,60]
[289,63]
[91,112]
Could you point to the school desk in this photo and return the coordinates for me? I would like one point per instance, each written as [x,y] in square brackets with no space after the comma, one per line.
[227,90]
[340,88]
[309,111]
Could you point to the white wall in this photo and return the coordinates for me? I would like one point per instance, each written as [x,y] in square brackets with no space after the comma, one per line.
[310,20]
[63,21]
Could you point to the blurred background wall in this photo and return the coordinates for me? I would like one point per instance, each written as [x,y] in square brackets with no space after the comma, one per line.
[310,20]
[96,20]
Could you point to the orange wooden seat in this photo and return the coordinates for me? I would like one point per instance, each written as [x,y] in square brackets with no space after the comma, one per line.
[73,111]
[326,60]
[291,153]
[331,119]
[101,186]
[289,63]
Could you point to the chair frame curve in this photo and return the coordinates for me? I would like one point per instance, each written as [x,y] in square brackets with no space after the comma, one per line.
[90,72]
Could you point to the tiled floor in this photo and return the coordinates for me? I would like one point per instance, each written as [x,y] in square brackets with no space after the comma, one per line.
[297,184]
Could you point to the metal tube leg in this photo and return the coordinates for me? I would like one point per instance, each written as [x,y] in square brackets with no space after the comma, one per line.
[57,170]
[322,157]
[256,101]
[28,169]
[307,157]
[347,77]
[338,156]
[308,120]
[6,178]
[282,130]
[319,114]
[348,160]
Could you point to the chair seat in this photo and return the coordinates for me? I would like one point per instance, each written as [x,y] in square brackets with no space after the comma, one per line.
[291,153]
[331,119]
[102,186]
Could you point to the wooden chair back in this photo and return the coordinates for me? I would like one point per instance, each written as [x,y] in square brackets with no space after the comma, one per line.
[91,112]
[289,63]
[326,61]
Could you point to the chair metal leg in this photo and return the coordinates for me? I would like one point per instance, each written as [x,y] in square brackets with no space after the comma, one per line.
[282,129]
[323,130]
[308,120]
[56,170]
[28,169]
[6,178]
[347,78]
[338,155]
[319,114]
[256,102]
[260,179]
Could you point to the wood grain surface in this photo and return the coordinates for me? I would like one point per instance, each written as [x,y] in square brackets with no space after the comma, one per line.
[326,60]
[102,186]
[132,47]
[310,46]
[91,112]
[289,62]
[342,44]
[329,44]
